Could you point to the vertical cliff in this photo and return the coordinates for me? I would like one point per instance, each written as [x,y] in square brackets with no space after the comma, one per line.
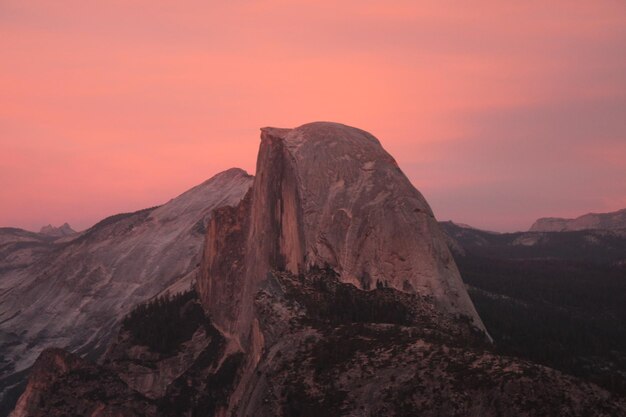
[326,194]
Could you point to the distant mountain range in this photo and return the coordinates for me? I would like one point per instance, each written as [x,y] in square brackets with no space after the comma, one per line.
[594,245]
[556,298]
[605,221]
[61,231]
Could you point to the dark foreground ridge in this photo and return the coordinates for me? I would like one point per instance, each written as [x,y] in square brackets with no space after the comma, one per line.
[555,298]
[334,350]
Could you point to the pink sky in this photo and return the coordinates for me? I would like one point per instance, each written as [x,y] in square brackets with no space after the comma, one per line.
[499,112]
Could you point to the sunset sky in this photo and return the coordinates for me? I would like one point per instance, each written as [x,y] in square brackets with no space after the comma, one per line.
[499,112]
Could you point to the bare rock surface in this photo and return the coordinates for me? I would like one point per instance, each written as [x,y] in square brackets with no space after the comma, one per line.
[148,365]
[62,384]
[21,248]
[338,350]
[331,349]
[326,194]
[62,231]
[608,221]
[72,293]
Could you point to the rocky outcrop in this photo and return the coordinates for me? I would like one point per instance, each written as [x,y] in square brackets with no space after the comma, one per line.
[62,384]
[52,364]
[72,292]
[336,350]
[326,194]
[147,365]
[167,361]
[607,221]
[331,349]
[62,231]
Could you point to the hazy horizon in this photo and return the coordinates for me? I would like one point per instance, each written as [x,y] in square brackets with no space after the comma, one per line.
[498,113]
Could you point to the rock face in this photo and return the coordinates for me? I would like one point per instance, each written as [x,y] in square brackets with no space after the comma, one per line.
[51,364]
[150,367]
[326,194]
[57,387]
[169,352]
[72,292]
[61,231]
[168,360]
[333,350]
[608,221]
[327,291]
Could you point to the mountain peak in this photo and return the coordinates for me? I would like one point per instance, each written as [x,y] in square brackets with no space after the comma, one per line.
[64,230]
[329,133]
[327,195]
[117,263]
[230,185]
[230,173]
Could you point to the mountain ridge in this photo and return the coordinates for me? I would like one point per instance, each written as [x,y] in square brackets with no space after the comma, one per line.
[607,221]
[62,231]
[327,289]
[71,292]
